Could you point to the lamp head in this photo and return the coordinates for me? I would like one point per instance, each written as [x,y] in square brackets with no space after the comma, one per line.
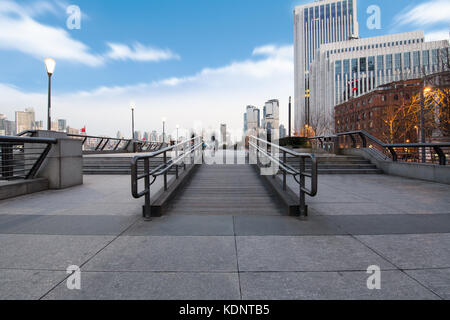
[164,120]
[50,65]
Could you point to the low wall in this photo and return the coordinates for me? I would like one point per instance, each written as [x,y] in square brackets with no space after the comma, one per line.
[422,171]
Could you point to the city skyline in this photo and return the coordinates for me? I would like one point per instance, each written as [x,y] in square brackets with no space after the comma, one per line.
[100,77]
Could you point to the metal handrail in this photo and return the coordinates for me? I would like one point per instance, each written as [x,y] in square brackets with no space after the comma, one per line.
[11,166]
[182,151]
[102,143]
[364,135]
[287,169]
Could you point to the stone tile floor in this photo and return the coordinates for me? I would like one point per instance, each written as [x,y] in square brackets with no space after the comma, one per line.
[400,225]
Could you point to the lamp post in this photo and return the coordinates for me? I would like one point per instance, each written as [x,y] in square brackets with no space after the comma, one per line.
[50,66]
[132,122]
[424,90]
[164,130]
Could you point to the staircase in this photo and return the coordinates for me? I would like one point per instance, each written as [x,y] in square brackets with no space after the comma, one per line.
[115,165]
[334,164]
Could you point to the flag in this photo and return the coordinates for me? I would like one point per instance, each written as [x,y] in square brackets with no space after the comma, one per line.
[83,130]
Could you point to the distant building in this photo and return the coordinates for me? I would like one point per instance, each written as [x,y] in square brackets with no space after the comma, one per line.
[70,130]
[39,125]
[25,120]
[154,136]
[119,135]
[253,114]
[62,125]
[282,131]
[245,122]
[7,128]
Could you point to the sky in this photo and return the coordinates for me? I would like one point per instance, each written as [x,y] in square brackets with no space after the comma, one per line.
[196,63]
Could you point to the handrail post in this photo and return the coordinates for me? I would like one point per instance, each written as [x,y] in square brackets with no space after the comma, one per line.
[165,173]
[284,172]
[394,154]
[303,206]
[363,139]
[441,155]
[147,206]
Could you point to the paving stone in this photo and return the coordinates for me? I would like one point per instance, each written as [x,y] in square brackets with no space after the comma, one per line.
[48,252]
[167,254]
[184,226]
[64,225]
[437,280]
[305,253]
[27,284]
[412,251]
[395,285]
[151,286]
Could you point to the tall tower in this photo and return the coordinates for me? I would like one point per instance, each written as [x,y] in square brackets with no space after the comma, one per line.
[323,21]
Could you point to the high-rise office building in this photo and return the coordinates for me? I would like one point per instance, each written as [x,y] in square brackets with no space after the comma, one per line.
[62,125]
[282,131]
[7,128]
[272,114]
[320,22]
[252,120]
[349,69]
[25,120]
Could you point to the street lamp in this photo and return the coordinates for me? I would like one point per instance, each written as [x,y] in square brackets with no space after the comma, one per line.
[424,90]
[132,122]
[164,129]
[50,66]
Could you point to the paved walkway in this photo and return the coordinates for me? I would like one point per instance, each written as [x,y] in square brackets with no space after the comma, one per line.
[400,225]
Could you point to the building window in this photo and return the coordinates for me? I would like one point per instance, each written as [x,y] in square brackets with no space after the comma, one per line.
[371,61]
[407,60]
[389,62]
[426,58]
[398,61]
[396,97]
[434,57]
[416,58]
[362,65]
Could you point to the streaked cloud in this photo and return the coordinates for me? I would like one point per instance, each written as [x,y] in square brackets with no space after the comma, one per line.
[139,52]
[425,14]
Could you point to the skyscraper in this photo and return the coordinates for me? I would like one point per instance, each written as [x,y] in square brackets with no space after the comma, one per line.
[323,21]
[24,120]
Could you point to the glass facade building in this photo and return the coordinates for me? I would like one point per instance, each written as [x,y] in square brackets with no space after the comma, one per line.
[317,23]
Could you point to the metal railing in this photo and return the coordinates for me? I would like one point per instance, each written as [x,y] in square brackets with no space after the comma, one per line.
[99,145]
[434,153]
[259,148]
[189,149]
[22,157]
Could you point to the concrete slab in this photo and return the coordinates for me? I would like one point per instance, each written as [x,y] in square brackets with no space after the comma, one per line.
[412,251]
[48,252]
[167,254]
[393,224]
[306,253]
[284,226]
[438,280]
[395,285]
[64,225]
[151,286]
[184,226]
[27,284]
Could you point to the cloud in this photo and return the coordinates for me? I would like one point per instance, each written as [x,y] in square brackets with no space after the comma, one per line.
[437,35]
[211,96]
[139,52]
[425,14]
[19,31]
